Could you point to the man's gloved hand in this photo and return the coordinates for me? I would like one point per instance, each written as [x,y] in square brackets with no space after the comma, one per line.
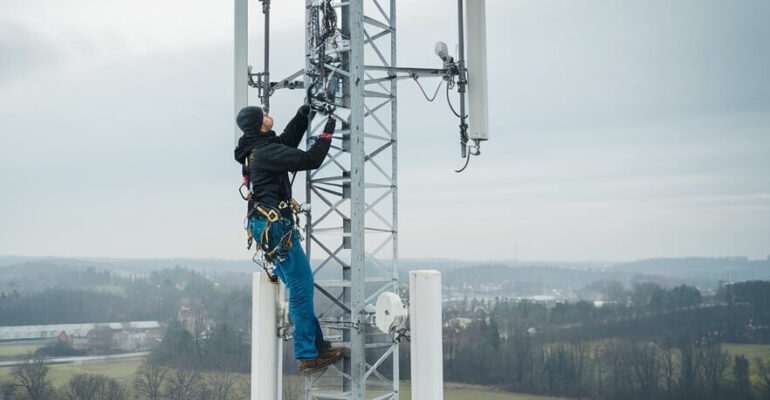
[327,132]
[329,128]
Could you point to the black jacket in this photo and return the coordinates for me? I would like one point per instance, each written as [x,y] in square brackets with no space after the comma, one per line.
[272,157]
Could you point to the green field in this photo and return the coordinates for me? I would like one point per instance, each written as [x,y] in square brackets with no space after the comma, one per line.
[14,350]
[122,370]
[471,392]
[750,351]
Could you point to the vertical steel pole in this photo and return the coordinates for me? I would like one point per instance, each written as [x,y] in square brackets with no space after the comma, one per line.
[394,178]
[461,84]
[266,80]
[308,185]
[357,196]
[306,80]
[346,193]
[240,60]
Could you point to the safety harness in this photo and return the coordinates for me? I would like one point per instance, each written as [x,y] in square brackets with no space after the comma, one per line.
[267,252]
[272,215]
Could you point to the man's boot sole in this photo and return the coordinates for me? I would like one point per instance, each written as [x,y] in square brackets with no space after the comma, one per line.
[344,352]
[311,371]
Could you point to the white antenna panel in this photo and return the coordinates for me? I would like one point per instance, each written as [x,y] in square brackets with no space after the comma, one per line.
[476,61]
[391,312]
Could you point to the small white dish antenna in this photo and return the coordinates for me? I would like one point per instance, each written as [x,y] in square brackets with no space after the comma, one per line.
[441,50]
[391,312]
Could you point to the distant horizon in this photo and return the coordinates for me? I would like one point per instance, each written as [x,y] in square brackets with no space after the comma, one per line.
[419,259]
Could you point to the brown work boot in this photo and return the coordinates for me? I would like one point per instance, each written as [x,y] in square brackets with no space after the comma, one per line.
[323,345]
[325,358]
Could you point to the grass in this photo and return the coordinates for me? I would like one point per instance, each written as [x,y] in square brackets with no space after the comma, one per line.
[122,370]
[14,350]
[750,351]
[453,391]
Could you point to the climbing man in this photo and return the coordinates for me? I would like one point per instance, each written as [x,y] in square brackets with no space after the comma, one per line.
[267,159]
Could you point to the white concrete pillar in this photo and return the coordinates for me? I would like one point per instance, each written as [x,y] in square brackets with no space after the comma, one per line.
[425,326]
[265,343]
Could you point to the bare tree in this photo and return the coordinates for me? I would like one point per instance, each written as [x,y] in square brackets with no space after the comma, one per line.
[221,384]
[688,366]
[183,383]
[293,388]
[598,356]
[742,375]
[93,387]
[32,377]
[243,391]
[149,378]
[82,386]
[643,359]
[199,325]
[670,362]
[8,391]
[580,350]
[622,381]
[203,393]
[715,364]
[763,375]
[112,390]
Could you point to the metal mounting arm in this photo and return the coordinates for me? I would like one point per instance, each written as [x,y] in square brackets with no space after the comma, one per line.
[409,71]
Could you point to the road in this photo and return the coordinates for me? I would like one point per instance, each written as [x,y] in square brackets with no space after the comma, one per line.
[73,360]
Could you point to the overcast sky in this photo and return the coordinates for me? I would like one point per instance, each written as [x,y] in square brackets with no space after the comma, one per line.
[619,130]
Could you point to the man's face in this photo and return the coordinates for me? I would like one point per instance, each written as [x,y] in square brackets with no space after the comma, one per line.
[267,122]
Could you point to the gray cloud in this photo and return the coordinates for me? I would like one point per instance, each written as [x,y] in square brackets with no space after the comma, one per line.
[619,130]
[22,52]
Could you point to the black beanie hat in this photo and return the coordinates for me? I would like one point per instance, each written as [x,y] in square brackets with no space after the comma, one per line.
[250,119]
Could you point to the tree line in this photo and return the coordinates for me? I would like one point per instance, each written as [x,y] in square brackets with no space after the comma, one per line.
[156,296]
[662,344]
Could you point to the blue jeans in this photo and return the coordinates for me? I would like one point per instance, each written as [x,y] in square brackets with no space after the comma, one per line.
[293,268]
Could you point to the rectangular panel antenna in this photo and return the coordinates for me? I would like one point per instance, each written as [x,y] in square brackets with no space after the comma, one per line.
[476,61]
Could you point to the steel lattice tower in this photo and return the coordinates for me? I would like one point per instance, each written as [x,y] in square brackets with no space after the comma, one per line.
[354,225]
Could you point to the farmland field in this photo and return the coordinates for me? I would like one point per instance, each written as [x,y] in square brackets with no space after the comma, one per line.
[122,370]
[750,351]
[453,391]
[14,350]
